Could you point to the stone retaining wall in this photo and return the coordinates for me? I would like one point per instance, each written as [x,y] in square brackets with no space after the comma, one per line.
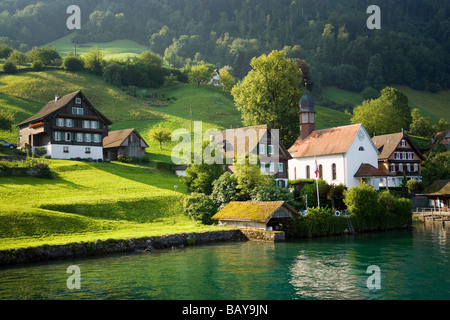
[47,252]
[263,235]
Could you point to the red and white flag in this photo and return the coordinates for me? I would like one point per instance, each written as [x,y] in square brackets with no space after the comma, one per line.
[316,171]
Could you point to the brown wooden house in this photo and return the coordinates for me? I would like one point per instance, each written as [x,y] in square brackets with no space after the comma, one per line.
[66,127]
[128,143]
[398,156]
[259,141]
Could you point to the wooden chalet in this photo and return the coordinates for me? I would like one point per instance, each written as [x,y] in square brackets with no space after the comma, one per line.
[66,127]
[398,156]
[127,142]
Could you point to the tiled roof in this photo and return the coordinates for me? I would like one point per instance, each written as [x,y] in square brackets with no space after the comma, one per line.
[327,141]
[387,143]
[51,106]
[250,211]
[116,138]
[368,170]
[55,105]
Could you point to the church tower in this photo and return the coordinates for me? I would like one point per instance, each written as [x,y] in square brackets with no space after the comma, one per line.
[306,115]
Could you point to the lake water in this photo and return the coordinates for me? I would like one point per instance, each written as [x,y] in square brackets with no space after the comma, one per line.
[413,265]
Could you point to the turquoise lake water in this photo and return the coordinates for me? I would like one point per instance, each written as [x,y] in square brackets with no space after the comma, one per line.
[413,265]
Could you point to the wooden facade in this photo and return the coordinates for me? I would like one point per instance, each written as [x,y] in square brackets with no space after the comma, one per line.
[398,156]
[127,143]
[67,127]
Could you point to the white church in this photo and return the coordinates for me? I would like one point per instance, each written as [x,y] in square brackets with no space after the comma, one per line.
[341,155]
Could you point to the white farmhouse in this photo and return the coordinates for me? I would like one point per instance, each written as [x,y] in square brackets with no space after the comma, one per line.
[341,155]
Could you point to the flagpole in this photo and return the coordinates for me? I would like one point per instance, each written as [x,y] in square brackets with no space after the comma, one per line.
[316,171]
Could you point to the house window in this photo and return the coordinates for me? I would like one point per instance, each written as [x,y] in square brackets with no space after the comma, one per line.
[397,155]
[404,155]
[76,110]
[68,136]
[280,167]
[271,149]
[87,150]
[79,137]
[416,167]
[97,138]
[403,143]
[60,122]
[78,100]
[263,167]
[272,167]
[262,149]
[66,149]
[410,156]
[87,137]
[361,149]
[57,135]
[392,167]
[320,171]
[308,176]
[69,123]
[400,167]
[333,171]
[94,124]
[86,124]
[408,167]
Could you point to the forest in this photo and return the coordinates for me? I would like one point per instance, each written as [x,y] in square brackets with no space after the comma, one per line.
[411,48]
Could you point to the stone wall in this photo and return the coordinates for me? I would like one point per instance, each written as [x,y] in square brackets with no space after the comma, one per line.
[47,252]
[263,235]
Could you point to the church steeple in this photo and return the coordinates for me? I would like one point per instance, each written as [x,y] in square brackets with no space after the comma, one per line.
[306,114]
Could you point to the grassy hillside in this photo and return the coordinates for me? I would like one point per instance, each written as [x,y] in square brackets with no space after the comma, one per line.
[433,105]
[89,201]
[118,49]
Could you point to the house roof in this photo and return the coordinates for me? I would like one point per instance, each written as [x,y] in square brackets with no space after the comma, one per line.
[55,105]
[241,135]
[251,211]
[327,141]
[116,138]
[388,143]
[368,170]
[438,137]
[438,188]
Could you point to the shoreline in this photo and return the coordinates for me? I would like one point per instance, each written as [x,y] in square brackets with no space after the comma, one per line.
[100,247]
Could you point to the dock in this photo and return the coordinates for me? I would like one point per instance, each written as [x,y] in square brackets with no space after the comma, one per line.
[432,215]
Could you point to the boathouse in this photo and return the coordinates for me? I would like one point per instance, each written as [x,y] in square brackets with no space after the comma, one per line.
[266,215]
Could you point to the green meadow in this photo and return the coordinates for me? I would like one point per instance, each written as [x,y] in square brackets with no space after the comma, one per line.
[91,201]
[117,49]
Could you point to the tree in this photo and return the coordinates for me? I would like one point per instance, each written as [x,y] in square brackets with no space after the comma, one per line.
[436,167]
[199,207]
[271,193]
[93,61]
[389,113]
[442,125]
[362,201]
[420,126]
[224,189]
[161,135]
[6,120]
[19,58]
[226,79]
[200,73]
[269,94]
[72,63]
[9,67]
[200,177]
[248,177]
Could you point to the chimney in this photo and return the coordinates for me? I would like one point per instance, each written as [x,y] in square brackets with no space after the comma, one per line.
[57,97]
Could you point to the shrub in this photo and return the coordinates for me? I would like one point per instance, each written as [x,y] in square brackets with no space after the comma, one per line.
[9,67]
[320,222]
[199,207]
[73,64]
[271,193]
[224,189]
[362,201]
[37,65]
[414,186]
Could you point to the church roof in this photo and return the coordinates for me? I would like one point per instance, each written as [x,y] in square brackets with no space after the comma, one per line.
[306,102]
[327,141]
